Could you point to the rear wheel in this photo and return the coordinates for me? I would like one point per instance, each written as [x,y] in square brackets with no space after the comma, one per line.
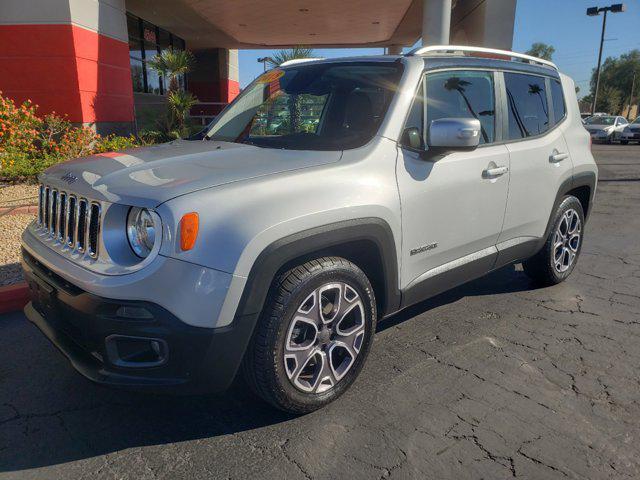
[314,335]
[559,255]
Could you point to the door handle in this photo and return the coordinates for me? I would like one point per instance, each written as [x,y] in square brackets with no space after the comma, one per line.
[558,157]
[494,172]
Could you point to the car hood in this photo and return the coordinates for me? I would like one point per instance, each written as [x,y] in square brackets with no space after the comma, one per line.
[148,176]
[595,126]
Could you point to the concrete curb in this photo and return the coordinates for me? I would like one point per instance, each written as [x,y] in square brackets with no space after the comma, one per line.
[14,297]
[25,209]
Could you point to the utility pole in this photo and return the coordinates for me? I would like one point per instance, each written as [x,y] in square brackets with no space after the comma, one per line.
[592,12]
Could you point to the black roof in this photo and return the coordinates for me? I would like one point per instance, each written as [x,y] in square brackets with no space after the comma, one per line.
[443,61]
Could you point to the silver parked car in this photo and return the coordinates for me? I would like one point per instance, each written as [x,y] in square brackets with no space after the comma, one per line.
[631,132]
[605,128]
[275,249]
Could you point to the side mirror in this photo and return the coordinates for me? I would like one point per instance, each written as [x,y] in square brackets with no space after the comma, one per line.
[412,138]
[454,134]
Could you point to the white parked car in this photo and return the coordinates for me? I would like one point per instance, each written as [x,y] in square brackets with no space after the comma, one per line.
[605,128]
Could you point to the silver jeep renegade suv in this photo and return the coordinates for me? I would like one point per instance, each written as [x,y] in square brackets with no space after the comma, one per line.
[330,194]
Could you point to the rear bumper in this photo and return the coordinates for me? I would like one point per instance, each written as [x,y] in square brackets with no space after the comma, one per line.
[85,328]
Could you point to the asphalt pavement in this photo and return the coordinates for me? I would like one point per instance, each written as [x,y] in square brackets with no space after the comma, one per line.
[495,379]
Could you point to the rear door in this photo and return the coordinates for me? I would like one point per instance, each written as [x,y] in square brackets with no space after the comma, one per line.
[539,157]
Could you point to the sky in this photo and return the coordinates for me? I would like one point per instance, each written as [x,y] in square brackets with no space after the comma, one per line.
[561,23]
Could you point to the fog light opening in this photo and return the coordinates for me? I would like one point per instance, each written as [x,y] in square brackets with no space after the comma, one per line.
[136,352]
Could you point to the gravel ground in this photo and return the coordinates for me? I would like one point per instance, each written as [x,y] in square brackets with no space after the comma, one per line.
[495,379]
[11,227]
[15,195]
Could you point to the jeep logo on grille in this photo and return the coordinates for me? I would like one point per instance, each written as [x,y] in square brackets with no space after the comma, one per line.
[69,178]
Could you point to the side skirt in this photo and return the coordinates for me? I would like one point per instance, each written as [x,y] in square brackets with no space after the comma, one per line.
[468,268]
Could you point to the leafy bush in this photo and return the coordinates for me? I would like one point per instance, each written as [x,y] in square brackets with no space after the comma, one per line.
[29,144]
[113,143]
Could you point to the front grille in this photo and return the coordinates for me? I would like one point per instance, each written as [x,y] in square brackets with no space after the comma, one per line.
[73,222]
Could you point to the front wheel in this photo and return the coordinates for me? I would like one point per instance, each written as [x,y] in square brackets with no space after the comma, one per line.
[558,257]
[314,335]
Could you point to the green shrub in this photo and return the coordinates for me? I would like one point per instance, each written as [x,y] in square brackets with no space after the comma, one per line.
[29,144]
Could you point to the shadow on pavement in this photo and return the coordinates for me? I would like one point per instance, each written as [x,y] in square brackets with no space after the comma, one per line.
[50,415]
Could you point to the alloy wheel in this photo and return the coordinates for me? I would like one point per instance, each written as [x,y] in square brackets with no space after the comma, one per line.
[566,241]
[324,337]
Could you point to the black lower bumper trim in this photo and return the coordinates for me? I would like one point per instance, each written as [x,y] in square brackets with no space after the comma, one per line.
[78,323]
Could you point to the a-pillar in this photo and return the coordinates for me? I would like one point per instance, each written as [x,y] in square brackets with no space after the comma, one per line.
[71,57]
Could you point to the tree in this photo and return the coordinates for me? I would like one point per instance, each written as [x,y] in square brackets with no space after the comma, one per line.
[541,50]
[294,102]
[294,53]
[171,64]
[616,78]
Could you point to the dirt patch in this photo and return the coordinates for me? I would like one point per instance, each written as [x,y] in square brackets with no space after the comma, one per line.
[11,228]
[17,195]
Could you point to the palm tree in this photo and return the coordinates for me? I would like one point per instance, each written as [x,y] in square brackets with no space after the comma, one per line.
[294,101]
[535,89]
[294,53]
[456,83]
[171,64]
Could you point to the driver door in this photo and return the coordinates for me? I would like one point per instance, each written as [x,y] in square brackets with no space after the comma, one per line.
[452,208]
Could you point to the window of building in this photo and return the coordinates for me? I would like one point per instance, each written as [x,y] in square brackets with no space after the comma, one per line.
[557,97]
[528,108]
[463,94]
[145,42]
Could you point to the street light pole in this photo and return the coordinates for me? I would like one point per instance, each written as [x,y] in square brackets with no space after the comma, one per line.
[594,11]
[595,94]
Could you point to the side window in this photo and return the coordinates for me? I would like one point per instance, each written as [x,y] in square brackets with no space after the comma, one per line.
[415,119]
[557,97]
[463,94]
[527,101]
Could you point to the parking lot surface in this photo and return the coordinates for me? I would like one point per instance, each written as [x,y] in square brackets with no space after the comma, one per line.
[495,379]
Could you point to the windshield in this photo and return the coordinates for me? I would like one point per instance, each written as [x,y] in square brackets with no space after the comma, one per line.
[637,120]
[325,106]
[600,120]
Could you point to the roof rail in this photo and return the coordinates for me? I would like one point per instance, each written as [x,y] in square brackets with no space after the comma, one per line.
[299,60]
[424,51]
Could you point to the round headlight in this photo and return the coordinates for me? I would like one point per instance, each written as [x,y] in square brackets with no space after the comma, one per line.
[141,231]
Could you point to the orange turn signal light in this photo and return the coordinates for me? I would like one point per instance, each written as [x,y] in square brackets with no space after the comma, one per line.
[188,230]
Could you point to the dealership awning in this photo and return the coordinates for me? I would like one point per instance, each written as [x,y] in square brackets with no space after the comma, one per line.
[275,23]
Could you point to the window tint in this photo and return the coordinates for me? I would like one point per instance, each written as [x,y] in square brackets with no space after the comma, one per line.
[557,98]
[528,109]
[463,94]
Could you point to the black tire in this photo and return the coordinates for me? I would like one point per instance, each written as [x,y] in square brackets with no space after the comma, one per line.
[541,267]
[264,362]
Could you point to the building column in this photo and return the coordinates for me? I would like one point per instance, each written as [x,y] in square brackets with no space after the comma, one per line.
[436,21]
[394,50]
[483,23]
[229,75]
[71,57]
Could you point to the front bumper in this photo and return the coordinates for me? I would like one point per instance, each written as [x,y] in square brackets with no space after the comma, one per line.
[631,136]
[83,326]
[600,136]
